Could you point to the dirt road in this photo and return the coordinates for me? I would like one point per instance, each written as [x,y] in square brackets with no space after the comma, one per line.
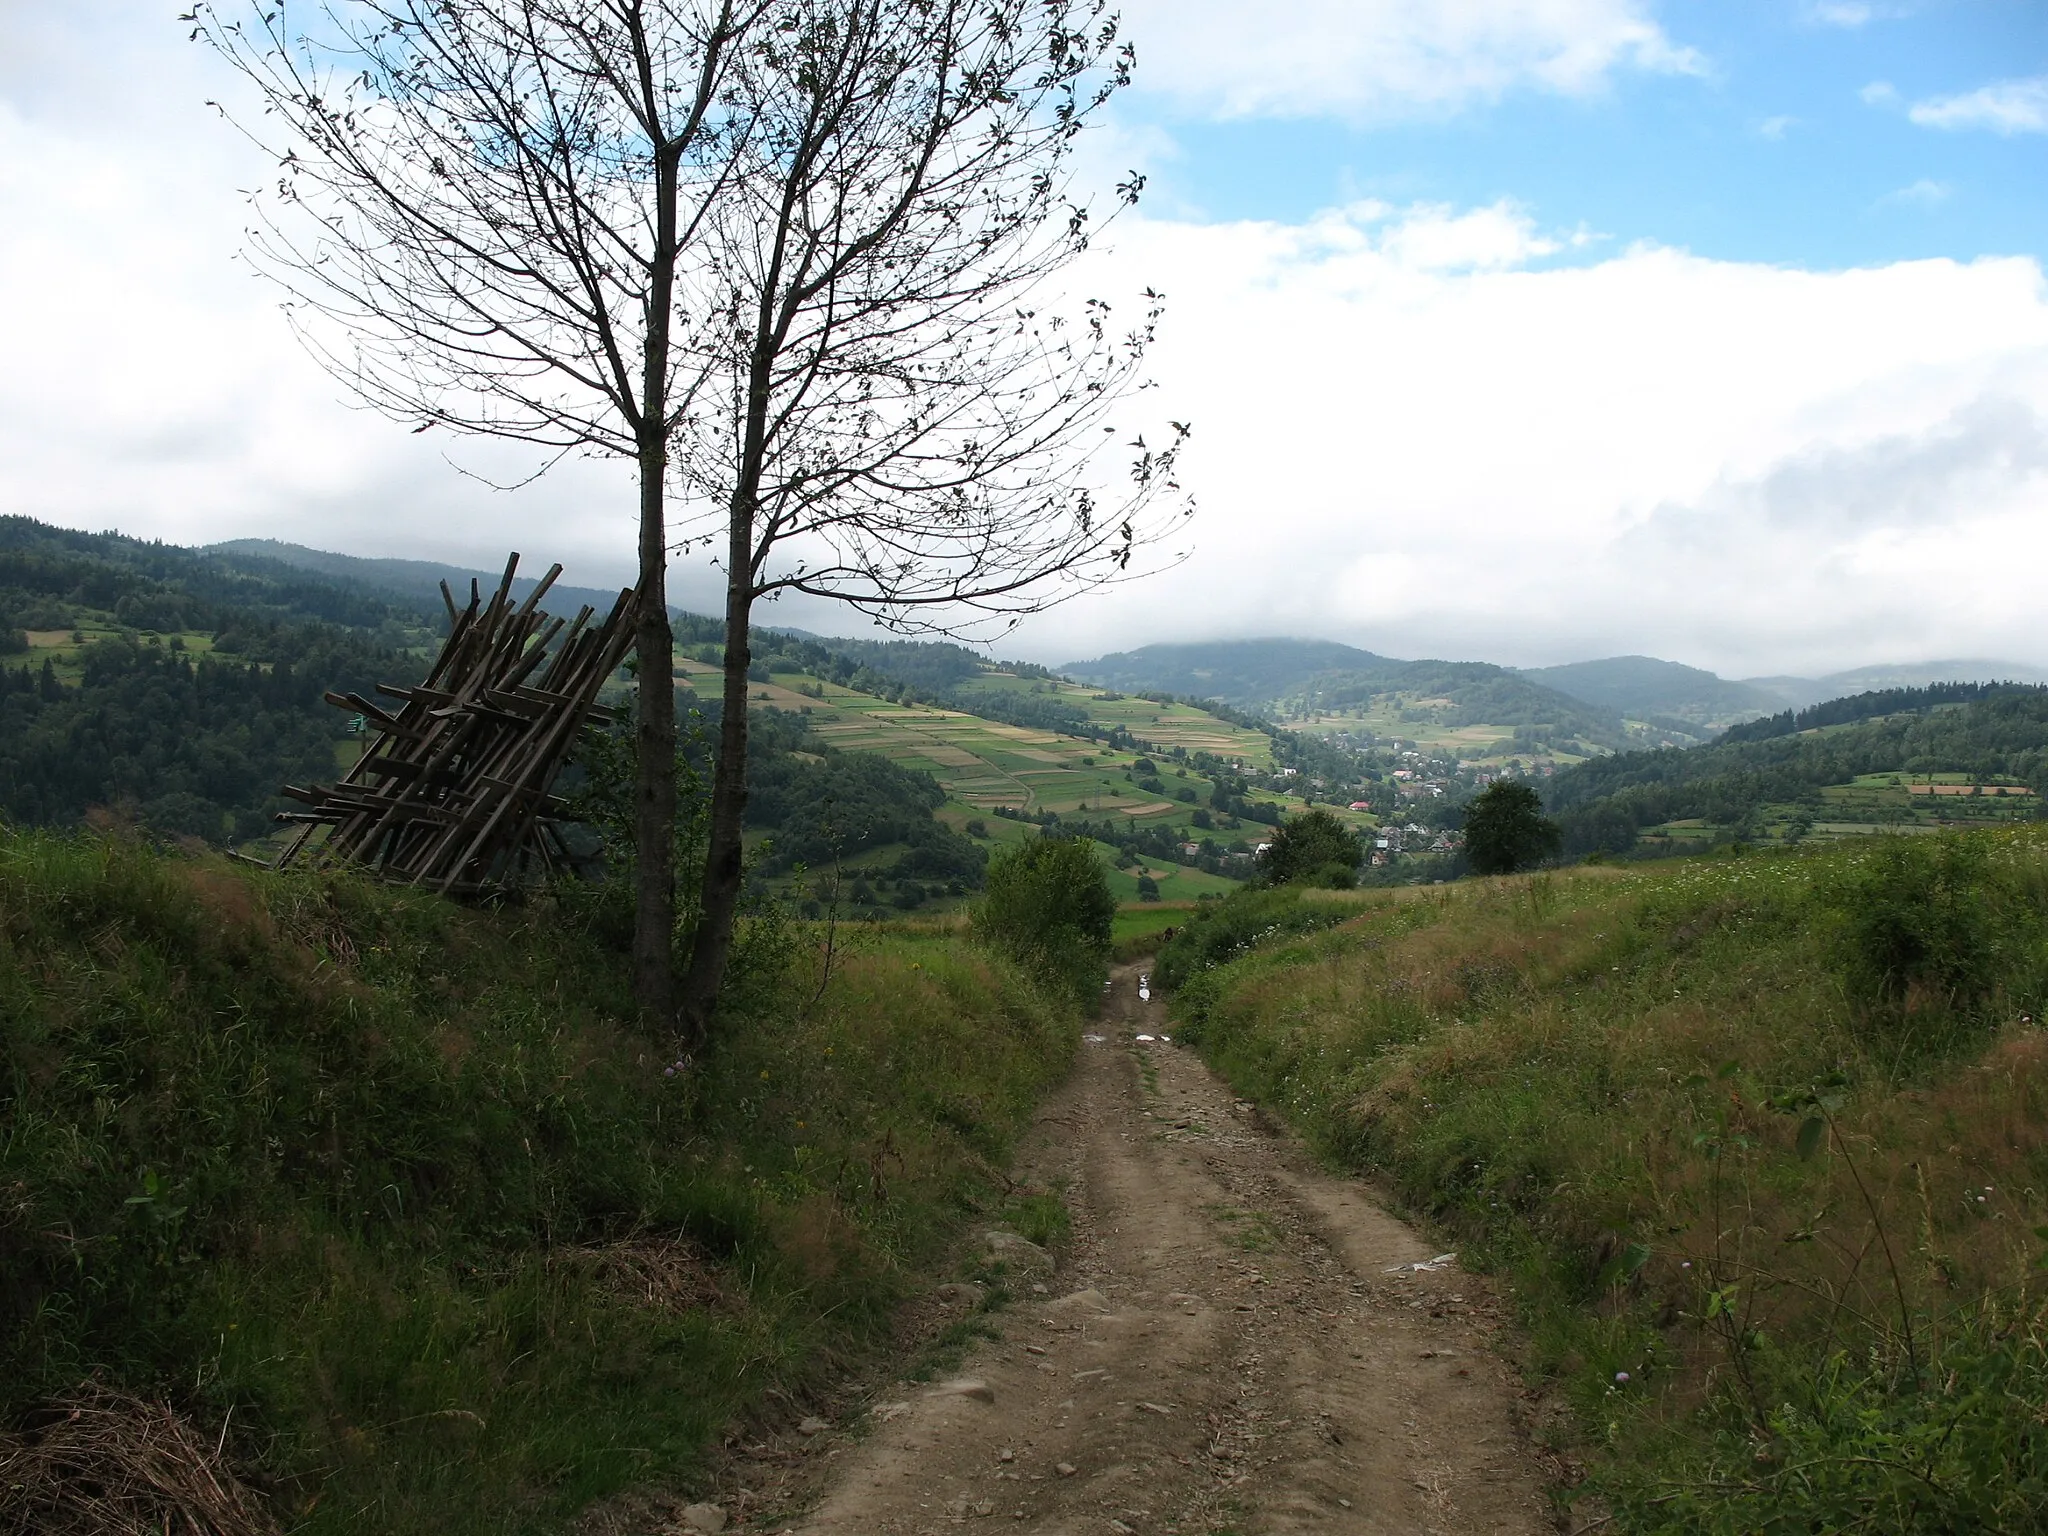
[1225,1347]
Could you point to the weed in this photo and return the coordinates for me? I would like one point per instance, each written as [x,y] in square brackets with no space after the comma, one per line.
[1042,1218]
[1252,1231]
[1762,1143]
[392,1199]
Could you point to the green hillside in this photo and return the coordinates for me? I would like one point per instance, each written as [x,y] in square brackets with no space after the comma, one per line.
[165,685]
[1644,687]
[181,688]
[1759,1145]
[396,1204]
[1940,763]
[1148,779]
[1472,711]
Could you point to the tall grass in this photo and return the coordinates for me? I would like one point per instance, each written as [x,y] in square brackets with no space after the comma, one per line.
[392,1196]
[1762,1143]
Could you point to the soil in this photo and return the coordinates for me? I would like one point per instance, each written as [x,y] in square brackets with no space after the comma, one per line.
[1231,1342]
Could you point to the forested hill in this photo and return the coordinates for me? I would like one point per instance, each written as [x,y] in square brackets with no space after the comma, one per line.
[172,686]
[1646,687]
[1248,673]
[1868,706]
[1603,804]
[50,575]
[1299,678]
[181,688]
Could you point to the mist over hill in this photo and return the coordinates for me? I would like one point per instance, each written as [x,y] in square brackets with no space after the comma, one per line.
[1804,692]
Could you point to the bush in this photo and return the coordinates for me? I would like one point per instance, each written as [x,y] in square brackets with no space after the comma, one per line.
[1918,915]
[1220,932]
[1049,905]
[1859,1446]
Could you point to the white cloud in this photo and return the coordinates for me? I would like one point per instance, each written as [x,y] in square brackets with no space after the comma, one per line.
[1920,194]
[1415,428]
[2003,107]
[1433,237]
[1775,127]
[1381,59]
[1851,14]
[1748,467]
[1879,93]
[148,382]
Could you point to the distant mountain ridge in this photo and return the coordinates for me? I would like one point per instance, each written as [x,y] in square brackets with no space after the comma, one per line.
[1642,686]
[1288,678]
[1804,692]
[417,580]
[1267,674]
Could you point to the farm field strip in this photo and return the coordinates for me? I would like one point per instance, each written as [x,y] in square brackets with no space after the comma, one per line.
[985,765]
[1875,803]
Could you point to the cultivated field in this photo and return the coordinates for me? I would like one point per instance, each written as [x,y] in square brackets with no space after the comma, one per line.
[984,765]
[1873,803]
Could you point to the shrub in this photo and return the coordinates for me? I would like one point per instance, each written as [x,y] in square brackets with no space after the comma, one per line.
[1928,914]
[1220,932]
[1049,905]
[1858,1445]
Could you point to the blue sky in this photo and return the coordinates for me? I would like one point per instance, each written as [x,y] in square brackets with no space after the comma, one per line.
[1770,152]
[1518,330]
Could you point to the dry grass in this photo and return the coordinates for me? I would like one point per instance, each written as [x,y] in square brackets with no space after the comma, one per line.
[97,1462]
[1608,1058]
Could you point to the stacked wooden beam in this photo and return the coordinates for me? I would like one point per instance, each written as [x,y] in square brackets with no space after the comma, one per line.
[456,788]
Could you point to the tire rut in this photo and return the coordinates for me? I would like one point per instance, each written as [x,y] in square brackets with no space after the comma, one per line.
[1225,1347]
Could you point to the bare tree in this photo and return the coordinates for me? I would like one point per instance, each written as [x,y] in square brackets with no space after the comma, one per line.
[484,212]
[897,414]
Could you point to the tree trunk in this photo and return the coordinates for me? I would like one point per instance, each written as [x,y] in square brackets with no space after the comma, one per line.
[723,851]
[654,800]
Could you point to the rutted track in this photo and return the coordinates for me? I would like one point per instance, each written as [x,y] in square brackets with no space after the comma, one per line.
[1224,1348]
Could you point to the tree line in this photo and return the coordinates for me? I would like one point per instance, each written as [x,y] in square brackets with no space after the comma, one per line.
[1603,804]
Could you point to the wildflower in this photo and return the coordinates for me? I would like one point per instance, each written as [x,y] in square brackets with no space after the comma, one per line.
[1621,1378]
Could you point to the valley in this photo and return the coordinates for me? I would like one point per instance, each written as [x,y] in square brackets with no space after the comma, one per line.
[815,768]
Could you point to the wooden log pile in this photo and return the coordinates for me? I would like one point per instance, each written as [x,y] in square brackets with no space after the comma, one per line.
[455,790]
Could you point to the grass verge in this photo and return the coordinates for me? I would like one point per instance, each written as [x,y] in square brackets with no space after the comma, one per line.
[391,1198]
[1761,1142]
